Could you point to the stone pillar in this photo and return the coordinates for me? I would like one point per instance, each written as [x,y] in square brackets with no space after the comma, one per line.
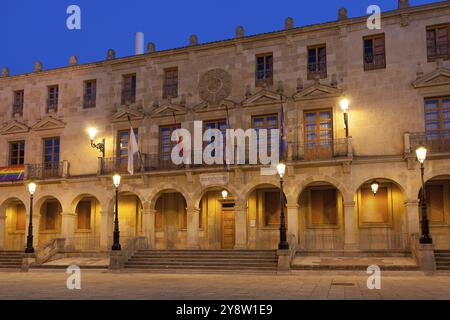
[2,232]
[240,225]
[193,227]
[36,226]
[148,220]
[292,218]
[68,228]
[351,242]
[412,216]
[106,231]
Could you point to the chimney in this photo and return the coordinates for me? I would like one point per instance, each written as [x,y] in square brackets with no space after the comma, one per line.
[139,37]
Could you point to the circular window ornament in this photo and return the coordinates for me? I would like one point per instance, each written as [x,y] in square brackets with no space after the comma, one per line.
[215,86]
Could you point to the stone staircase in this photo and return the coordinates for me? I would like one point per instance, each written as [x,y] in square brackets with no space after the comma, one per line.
[442,258]
[11,259]
[204,260]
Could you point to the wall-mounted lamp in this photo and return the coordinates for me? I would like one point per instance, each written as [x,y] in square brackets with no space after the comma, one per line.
[374,186]
[224,194]
[101,145]
[344,106]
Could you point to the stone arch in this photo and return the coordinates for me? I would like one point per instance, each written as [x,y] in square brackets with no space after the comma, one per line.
[166,189]
[299,188]
[79,197]
[367,179]
[6,201]
[13,223]
[200,193]
[246,192]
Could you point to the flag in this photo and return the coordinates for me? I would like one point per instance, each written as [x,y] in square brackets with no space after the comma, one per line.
[283,143]
[132,150]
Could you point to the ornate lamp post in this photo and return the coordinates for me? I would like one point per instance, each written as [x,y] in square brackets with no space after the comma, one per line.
[29,248]
[281,168]
[421,153]
[101,145]
[116,246]
[344,106]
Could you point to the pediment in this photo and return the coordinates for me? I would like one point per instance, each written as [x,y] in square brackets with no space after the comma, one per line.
[125,114]
[207,107]
[14,126]
[48,123]
[168,109]
[317,91]
[437,77]
[262,97]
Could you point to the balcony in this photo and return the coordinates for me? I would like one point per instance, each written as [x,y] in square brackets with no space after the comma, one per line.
[148,162]
[17,109]
[52,105]
[437,142]
[89,101]
[374,61]
[317,70]
[46,171]
[128,97]
[325,150]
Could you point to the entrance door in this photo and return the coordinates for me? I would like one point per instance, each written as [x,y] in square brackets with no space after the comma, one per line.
[227,226]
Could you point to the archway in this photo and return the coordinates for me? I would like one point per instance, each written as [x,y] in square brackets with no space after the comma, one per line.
[321,217]
[14,229]
[217,219]
[437,192]
[130,217]
[381,215]
[170,220]
[263,214]
[50,219]
[87,226]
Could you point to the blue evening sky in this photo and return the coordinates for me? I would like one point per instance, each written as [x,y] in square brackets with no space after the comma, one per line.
[36,29]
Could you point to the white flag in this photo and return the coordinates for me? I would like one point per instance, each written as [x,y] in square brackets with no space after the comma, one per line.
[132,150]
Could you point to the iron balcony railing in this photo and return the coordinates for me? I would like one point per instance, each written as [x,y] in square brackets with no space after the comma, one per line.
[435,141]
[374,61]
[89,101]
[320,150]
[42,171]
[128,97]
[317,69]
[18,108]
[52,105]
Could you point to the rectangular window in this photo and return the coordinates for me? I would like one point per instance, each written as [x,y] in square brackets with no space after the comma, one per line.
[170,86]
[51,151]
[52,98]
[166,144]
[318,130]
[18,102]
[437,119]
[123,140]
[264,70]
[317,62]
[84,215]
[374,52]
[265,122]
[129,89]
[53,209]
[437,42]
[220,125]
[20,217]
[90,94]
[16,153]
[324,207]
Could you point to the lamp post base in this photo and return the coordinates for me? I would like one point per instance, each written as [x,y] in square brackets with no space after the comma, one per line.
[283,246]
[29,250]
[116,247]
[425,239]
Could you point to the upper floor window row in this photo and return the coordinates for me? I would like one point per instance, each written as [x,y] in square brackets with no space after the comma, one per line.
[438,42]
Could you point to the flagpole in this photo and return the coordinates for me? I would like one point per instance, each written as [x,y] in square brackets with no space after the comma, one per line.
[139,152]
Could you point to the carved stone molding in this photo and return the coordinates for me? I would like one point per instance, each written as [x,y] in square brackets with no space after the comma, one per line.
[214,86]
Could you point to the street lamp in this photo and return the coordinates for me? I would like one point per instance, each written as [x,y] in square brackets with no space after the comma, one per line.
[421,153]
[374,186]
[116,245]
[281,168]
[344,106]
[29,248]
[101,145]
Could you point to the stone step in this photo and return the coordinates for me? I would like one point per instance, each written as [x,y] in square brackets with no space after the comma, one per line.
[185,260]
[201,267]
[205,263]
[354,267]
[11,260]
[198,256]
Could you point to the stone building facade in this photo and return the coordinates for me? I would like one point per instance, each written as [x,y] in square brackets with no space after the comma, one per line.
[396,80]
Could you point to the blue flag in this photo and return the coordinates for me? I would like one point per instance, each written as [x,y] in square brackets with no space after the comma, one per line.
[283,142]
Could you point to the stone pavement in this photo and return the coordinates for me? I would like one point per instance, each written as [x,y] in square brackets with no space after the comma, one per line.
[297,285]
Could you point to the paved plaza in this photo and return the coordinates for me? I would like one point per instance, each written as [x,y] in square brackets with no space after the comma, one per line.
[96,284]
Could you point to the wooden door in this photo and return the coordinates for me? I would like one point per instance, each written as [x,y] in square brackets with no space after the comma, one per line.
[227,227]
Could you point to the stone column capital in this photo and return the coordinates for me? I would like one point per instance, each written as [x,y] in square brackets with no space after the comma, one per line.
[349,203]
[412,203]
[292,206]
[68,214]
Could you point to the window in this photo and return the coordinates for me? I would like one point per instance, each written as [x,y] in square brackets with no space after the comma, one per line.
[437,42]
[317,62]
[123,140]
[51,216]
[170,86]
[18,102]
[20,217]
[220,125]
[90,94]
[129,89]
[264,70]
[375,209]
[16,153]
[52,98]
[51,157]
[437,118]
[318,126]
[323,207]
[84,215]
[265,122]
[166,144]
[374,52]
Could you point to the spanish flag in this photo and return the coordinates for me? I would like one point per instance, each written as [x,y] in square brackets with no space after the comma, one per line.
[12,173]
